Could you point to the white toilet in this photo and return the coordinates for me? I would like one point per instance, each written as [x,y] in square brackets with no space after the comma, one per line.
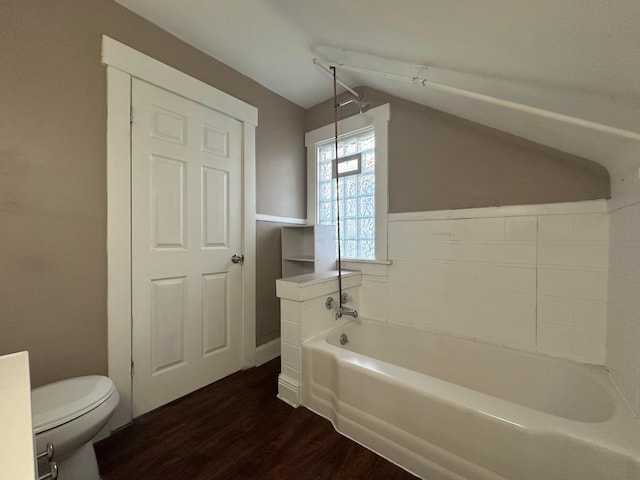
[68,414]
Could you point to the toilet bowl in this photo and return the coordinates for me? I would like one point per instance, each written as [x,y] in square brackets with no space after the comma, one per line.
[69,414]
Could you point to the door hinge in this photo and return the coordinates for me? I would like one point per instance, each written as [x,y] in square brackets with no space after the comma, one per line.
[131,115]
[132,368]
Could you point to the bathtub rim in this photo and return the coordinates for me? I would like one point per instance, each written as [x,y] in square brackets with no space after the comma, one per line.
[598,374]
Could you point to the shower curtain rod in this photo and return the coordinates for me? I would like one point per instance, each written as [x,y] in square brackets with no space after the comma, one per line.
[326,68]
[421,81]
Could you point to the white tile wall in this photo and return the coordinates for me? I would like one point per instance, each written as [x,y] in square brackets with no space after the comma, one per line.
[473,277]
[558,284]
[572,285]
[373,296]
[291,358]
[623,323]
[536,282]
[301,320]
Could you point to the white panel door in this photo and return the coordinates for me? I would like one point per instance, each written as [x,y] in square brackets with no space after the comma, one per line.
[186,178]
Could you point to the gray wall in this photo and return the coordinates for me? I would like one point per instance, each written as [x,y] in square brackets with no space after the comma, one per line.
[53,174]
[438,161]
[268,269]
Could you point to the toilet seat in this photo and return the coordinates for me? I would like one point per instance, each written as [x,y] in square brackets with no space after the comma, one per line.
[58,403]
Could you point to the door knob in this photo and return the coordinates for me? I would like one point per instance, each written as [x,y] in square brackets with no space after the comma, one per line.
[237,259]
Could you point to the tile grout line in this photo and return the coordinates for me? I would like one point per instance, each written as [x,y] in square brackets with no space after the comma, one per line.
[537,286]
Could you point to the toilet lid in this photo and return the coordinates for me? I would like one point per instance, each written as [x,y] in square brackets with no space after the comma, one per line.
[57,403]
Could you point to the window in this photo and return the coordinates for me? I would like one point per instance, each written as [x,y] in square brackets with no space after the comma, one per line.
[361,169]
[356,179]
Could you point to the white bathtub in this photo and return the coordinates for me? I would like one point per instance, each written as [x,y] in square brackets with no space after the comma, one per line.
[449,408]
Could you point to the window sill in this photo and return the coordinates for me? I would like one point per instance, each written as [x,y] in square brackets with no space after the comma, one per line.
[366,260]
[376,268]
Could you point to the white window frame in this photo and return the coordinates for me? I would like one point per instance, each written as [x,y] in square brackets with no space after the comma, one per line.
[378,118]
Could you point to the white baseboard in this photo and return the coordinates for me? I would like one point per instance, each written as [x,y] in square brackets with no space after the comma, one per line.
[288,391]
[267,352]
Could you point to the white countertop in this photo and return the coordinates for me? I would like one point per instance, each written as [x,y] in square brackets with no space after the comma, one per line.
[17,457]
[308,279]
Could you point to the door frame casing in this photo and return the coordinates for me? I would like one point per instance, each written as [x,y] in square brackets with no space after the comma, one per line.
[124,63]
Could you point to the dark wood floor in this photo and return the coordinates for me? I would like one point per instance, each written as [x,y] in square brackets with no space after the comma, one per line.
[237,429]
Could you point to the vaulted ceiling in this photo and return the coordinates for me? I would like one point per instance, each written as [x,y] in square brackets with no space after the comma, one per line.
[565,73]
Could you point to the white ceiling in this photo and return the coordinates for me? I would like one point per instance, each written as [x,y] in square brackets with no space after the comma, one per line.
[578,58]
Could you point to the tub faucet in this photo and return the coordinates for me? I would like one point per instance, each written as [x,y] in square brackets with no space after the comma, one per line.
[344,310]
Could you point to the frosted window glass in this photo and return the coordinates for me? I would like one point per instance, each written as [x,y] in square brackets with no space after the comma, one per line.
[324,172]
[351,184]
[326,213]
[350,249]
[357,195]
[366,207]
[368,248]
[366,184]
[351,208]
[368,162]
[350,230]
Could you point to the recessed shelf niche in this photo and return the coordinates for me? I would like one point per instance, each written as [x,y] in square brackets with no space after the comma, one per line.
[308,249]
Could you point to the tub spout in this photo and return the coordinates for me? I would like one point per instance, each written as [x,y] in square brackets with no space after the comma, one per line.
[344,310]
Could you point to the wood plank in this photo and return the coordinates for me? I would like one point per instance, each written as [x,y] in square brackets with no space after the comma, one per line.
[237,429]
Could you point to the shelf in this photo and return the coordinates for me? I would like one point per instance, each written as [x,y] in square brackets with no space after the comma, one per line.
[307,249]
[300,258]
